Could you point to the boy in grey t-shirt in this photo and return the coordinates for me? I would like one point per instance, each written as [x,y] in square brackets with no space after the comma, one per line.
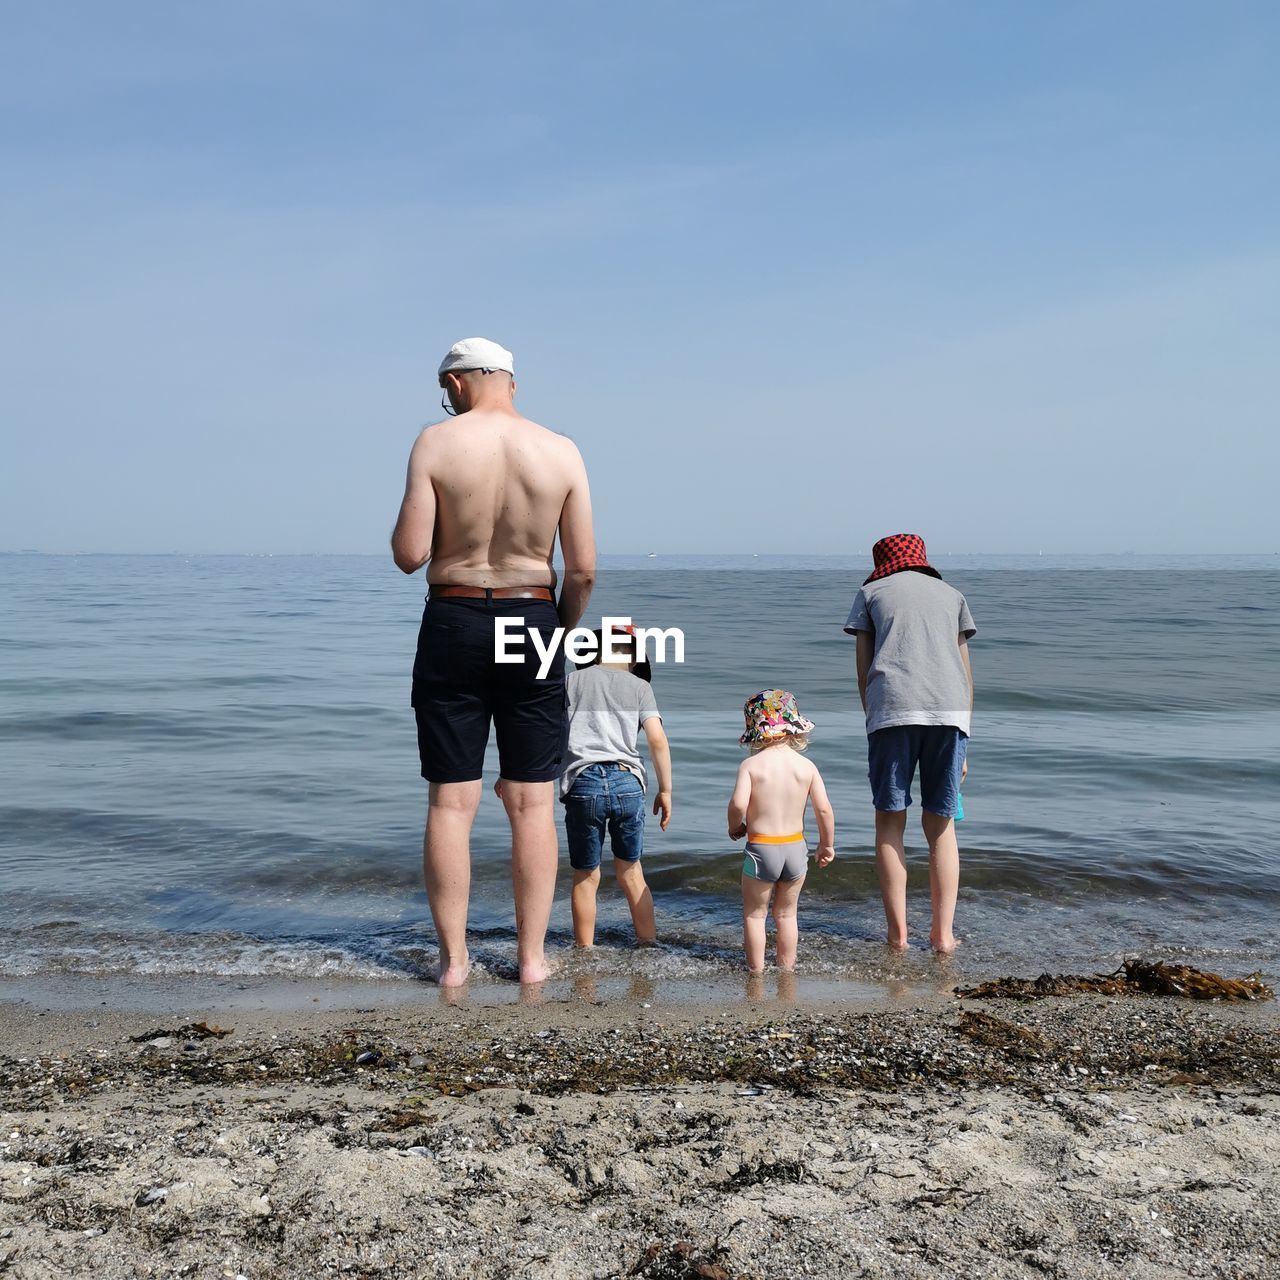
[916,687]
[603,787]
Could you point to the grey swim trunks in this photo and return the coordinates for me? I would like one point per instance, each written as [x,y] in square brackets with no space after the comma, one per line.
[774,862]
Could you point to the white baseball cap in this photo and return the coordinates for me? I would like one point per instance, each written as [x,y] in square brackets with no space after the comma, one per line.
[477,353]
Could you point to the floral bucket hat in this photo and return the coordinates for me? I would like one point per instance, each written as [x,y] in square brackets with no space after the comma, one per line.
[772,714]
[897,552]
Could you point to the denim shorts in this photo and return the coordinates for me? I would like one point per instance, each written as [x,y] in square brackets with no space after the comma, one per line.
[604,797]
[894,753]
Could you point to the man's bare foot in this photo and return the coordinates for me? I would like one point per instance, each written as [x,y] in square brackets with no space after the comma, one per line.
[943,946]
[452,973]
[537,970]
[646,942]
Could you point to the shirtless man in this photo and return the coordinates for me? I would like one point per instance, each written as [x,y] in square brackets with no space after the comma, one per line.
[486,495]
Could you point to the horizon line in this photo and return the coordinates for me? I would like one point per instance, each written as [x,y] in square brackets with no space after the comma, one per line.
[659,555]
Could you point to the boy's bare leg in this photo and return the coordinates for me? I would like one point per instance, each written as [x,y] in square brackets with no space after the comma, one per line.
[944,878]
[631,881]
[446,870]
[531,810]
[755,907]
[583,901]
[786,930]
[891,867]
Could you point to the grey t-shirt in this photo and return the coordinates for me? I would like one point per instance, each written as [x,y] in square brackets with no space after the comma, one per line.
[607,706]
[917,675]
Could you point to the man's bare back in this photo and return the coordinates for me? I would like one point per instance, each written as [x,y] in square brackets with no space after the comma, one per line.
[498,484]
[486,494]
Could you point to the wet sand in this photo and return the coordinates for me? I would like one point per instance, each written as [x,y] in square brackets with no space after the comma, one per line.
[614,1137]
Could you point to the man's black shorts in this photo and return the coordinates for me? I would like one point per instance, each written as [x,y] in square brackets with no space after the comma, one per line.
[458,688]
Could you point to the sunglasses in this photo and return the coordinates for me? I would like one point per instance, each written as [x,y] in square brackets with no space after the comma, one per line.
[444,395]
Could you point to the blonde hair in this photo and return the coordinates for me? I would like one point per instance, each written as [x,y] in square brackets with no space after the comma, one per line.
[796,741]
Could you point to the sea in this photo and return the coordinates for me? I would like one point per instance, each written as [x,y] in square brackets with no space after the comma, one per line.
[208,771]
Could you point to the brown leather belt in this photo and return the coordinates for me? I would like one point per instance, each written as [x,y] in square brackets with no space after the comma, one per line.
[494,593]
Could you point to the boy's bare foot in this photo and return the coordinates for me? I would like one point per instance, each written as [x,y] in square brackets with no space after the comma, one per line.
[452,973]
[646,942]
[943,946]
[895,945]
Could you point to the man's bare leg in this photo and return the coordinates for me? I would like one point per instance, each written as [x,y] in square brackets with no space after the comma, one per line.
[531,810]
[446,868]
[585,884]
[944,878]
[891,867]
[631,880]
[786,929]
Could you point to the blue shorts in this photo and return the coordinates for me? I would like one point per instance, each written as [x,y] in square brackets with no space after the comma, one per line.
[604,797]
[892,757]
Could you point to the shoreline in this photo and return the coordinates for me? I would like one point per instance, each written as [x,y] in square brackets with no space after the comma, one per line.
[1079,1136]
[933,980]
[173,994]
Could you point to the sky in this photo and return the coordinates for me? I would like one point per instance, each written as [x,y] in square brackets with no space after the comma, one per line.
[793,277]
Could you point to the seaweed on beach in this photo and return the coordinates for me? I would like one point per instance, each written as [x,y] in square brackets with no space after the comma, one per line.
[1133,978]
[681,1261]
[392,1121]
[996,1033]
[189,1031]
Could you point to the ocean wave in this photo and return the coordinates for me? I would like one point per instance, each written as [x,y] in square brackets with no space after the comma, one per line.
[108,955]
[691,950]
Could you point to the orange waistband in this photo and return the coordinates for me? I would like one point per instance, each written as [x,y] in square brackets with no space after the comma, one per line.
[799,835]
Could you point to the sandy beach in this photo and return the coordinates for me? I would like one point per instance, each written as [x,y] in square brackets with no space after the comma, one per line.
[1070,1137]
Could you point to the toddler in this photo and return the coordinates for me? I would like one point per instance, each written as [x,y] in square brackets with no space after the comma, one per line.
[774,785]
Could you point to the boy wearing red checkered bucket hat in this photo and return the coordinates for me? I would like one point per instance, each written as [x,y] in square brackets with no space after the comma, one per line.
[916,685]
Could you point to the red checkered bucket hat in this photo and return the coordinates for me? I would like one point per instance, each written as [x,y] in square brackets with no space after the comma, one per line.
[897,552]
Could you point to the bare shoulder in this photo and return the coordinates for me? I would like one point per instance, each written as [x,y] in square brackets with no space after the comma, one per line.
[554,441]
[425,452]
[561,458]
[432,436]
